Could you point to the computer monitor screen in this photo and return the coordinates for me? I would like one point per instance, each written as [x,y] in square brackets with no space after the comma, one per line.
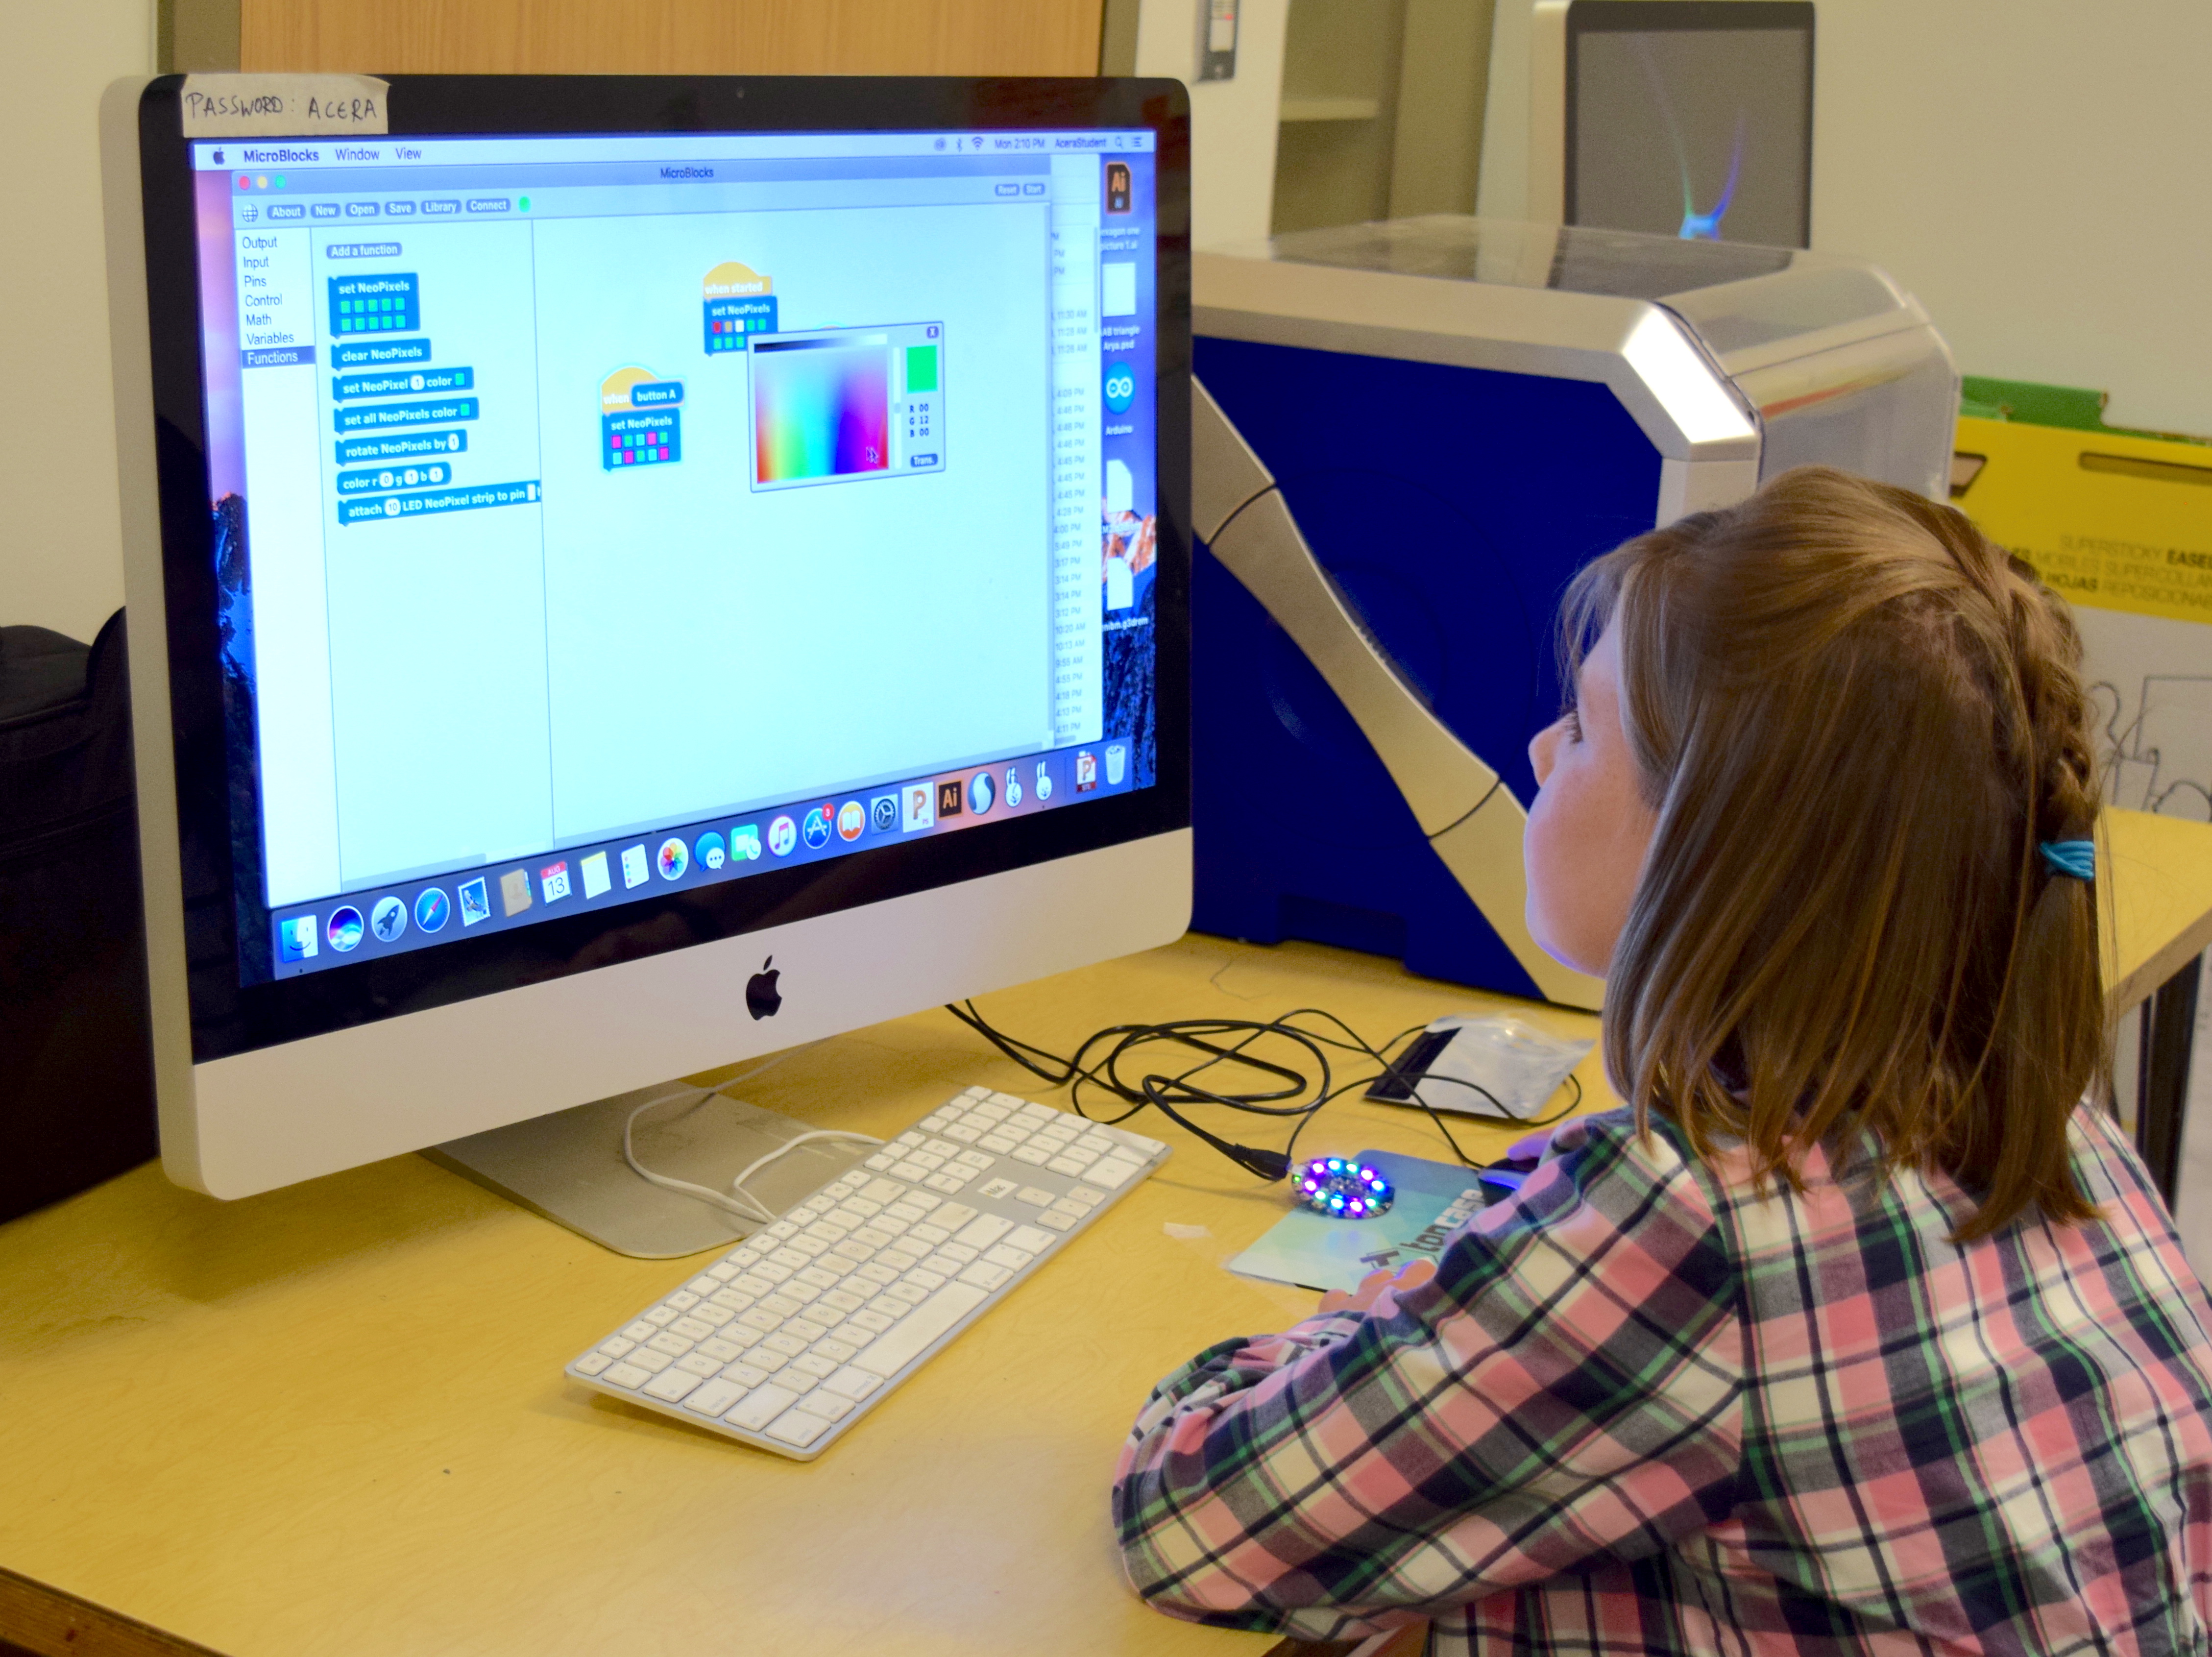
[610,539]
[1690,119]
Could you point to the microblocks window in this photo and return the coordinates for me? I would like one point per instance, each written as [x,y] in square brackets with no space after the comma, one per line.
[597,516]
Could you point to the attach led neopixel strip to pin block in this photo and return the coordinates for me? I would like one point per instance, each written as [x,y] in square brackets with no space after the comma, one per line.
[1344,1190]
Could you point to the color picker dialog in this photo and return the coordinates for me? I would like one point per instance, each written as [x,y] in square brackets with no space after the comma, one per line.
[841,404]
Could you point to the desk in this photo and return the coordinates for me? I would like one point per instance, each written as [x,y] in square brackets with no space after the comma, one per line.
[332,1419]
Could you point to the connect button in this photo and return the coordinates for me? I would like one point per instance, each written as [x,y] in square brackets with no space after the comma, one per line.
[489,204]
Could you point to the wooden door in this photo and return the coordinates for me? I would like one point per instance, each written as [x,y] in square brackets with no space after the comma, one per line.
[671,37]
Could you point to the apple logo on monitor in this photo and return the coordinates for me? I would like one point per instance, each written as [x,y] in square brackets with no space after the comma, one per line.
[763,998]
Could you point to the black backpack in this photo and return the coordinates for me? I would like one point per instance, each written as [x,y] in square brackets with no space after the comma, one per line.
[76,1068]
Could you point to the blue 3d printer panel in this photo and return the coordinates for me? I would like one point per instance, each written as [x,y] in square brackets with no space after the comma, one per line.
[1451,505]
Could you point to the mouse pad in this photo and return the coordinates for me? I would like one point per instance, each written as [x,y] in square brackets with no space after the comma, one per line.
[1308,1251]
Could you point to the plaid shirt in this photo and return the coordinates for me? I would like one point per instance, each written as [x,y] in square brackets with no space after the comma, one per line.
[1642,1410]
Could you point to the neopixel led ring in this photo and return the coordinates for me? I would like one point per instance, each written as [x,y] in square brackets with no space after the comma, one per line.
[1344,1190]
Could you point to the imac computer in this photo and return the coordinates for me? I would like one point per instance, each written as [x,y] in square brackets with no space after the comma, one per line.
[1677,117]
[626,574]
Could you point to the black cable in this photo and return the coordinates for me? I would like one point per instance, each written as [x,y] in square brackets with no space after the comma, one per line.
[1217,1042]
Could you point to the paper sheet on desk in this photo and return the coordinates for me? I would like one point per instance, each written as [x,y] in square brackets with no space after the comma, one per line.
[1308,1251]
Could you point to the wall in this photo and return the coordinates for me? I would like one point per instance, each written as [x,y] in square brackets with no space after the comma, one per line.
[2020,165]
[61,562]
[1232,122]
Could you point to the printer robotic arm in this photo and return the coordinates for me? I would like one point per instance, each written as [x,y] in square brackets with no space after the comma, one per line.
[1469,815]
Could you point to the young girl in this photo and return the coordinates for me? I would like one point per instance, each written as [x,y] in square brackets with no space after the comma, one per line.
[1857,1331]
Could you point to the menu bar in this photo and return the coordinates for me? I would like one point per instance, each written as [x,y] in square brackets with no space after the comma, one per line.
[213,155]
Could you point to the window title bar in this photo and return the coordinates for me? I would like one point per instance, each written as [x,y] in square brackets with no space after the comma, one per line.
[223,156]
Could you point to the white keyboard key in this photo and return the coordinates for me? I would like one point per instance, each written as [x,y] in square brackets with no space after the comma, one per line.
[1000,1142]
[639,1331]
[1084,1154]
[1012,1103]
[844,1300]
[779,1305]
[844,1188]
[898,1260]
[874,1322]
[714,1316]
[726,1350]
[1138,1142]
[1068,1208]
[912,1293]
[859,1208]
[661,1316]
[978,1092]
[820,1203]
[837,1351]
[1007,1255]
[800,1291]
[994,1189]
[960,1251]
[703,1284]
[791,1259]
[1112,1172]
[990,1110]
[945,1183]
[953,1215]
[877,1273]
[1086,1196]
[711,1398]
[691,1328]
[782,1230]
[1043,1115]
[735,1300]
[615,1346]
[1036,1156]
[983,1231]
[759,1318]
[745,1375]
[890,1352]
[592,1363]
[1062,1132]
[1035,1197]
[1057,1221]
[809,1330]
[821,1276]
[757,1282]
[735,1335]
[651,1362]
[940,1148]
[912,1170]
[1098,1140]
[889,1223]
[984,1275]
[721,1271]
[698,1363]
[627,1375]
[786,1342]
[906,1211]
[760,1406]
[683,1300]
[851,1383]
[925,1278]
[828,1406]
[816,1365]
[962,1135]
[874,1236]
[974,1159]
[761,1358]
[810,1246]
[927,1235]
[924,1200]
[854,1250]
[670,1386]
[935,1121]
[797,1428]
[887,1305]
[742,1258]
[881,1161]
[1029,1237]
[882,1191]
[1065,1165]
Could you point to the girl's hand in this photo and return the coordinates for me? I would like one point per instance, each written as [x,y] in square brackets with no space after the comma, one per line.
[1530,1148]
[1411,1275]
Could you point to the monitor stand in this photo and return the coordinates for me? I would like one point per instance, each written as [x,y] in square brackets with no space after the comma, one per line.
[568,1166]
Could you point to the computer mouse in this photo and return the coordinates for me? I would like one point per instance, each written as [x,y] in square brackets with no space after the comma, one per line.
[1344,1190]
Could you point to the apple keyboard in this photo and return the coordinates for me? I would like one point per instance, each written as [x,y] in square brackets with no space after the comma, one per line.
[793,1336]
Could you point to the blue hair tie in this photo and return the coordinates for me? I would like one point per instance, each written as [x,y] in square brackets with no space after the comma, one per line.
[2077,858]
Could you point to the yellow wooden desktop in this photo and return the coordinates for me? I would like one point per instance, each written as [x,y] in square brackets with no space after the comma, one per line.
[331,1418]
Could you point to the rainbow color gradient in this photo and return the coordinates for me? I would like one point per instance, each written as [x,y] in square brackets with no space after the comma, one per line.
[821,410]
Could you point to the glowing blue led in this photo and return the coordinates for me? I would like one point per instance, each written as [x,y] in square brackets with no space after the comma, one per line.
[1341,1188]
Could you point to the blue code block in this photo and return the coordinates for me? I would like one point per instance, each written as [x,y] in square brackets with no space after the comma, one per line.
[729,320]
[641,438]
[385,303]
